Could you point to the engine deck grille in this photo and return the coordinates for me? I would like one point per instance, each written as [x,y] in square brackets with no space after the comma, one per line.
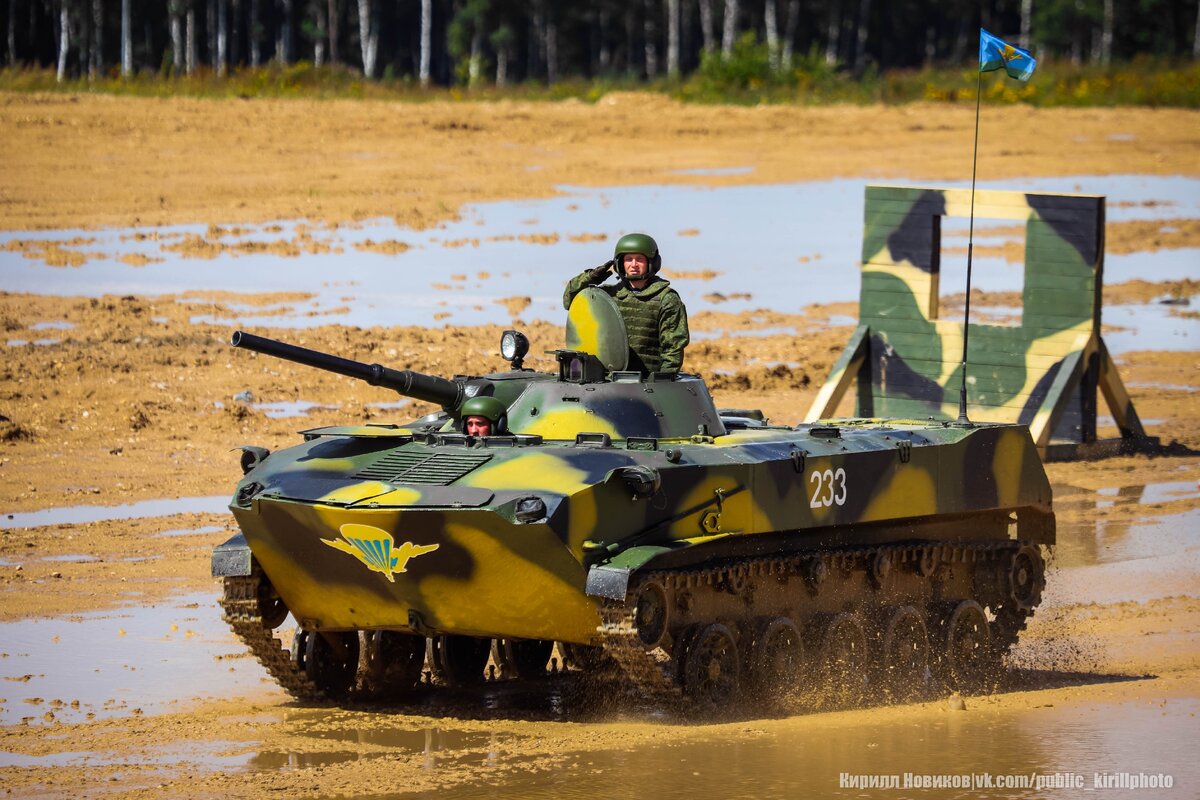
[437,469]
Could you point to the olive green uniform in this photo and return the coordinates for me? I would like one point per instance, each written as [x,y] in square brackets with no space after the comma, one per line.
[655,320]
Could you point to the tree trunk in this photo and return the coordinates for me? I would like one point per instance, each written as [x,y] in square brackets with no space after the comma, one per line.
[64,39]
[672,38]
[222,37]
[12,33]
[475,65]
[706,26]
[285,32]
[426,40]
[650,41]
[771,25]
[551,52]
[319,11]
[630,36]
[1106,38]
[605,50]
[255,45]
[1026,23]
[1077,39]
[176,36]
[191,39]
[33,25]
[729,31]
[368,36]
[860,42]
[1196,38]
[502,67]
[126,39]
[235,33]
[210,13]
[833,33]
[333,31]
[96,64]
[789,32]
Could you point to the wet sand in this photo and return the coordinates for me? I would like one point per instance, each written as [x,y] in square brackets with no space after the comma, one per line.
[135,403]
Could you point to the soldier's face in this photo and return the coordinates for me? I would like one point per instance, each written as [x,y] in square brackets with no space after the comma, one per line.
[636,265]
[479,426]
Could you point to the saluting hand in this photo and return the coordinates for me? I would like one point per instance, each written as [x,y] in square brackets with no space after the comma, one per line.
[597,275]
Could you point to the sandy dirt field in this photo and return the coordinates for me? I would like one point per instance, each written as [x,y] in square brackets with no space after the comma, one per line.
[136,402]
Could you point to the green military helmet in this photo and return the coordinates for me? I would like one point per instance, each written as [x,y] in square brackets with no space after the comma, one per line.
[637,243]
[484,406]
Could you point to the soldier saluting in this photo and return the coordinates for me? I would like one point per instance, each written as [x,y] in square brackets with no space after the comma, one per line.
[655,318]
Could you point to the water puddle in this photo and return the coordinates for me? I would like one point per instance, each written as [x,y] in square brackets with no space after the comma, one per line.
[104,664]
[779,330]
[1152,326]
[471,271]
[1123,554]
[289,408]
[193,531]
[390,405]
[824,756]
[715,172]
[1161,387]
[53,325]
[212,755]
[440,747]
[76,515]
[35,342]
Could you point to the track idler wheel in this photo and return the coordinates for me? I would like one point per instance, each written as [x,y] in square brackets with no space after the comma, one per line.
[459,660]
[712,667]
[967,651]
[842,659]
[331,661]
[904,655]
[652,614]
[392,661]
[522,658]
[776,658]
[270,605]
[1025,579]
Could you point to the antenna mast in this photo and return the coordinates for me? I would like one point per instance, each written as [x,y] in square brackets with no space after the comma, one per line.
[962,390]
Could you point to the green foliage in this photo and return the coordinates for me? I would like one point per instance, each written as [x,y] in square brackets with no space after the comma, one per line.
[746,77]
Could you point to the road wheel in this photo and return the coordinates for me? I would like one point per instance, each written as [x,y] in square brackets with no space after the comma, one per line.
[522,658]
[967,647]
[776,658]
[393,661]
[712,667]
[904,655]
[331,661]
[842,659]
[459,660]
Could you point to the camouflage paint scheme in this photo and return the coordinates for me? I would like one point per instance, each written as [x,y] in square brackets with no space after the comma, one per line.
[1042,373]
[420,528]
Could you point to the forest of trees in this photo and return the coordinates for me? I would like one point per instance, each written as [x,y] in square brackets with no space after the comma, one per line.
[468,42]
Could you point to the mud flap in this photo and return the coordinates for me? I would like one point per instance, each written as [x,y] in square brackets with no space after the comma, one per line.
[231,559]
[608,582]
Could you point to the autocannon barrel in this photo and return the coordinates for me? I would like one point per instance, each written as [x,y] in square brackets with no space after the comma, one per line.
[419,386]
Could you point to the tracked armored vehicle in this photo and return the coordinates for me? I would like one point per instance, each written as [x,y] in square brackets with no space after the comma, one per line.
[698,553]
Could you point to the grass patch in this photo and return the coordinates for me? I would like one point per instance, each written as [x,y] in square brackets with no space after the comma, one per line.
[745,78]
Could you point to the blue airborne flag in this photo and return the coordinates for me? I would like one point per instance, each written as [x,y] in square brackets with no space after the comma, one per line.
[996,53]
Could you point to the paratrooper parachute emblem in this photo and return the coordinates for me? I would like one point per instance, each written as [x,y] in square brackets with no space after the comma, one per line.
[377,549]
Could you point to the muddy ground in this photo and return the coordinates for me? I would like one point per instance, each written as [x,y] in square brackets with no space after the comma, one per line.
[136,402]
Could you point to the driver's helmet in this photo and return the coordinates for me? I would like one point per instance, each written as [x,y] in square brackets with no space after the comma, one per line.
[637,243]
[487,407]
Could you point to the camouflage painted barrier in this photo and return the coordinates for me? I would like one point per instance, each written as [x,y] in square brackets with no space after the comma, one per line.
[907,360]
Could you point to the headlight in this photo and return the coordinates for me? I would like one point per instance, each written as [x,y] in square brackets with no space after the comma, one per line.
[514,346]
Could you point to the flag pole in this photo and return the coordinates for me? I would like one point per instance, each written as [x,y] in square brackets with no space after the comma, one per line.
[962,391]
